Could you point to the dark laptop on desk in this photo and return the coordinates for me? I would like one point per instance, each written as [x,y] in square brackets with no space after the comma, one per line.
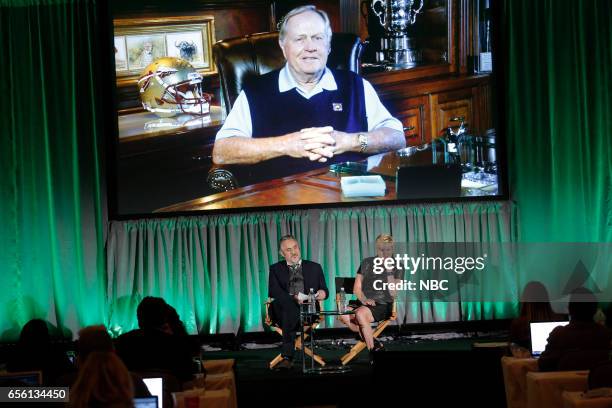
[434,181]
[539,335]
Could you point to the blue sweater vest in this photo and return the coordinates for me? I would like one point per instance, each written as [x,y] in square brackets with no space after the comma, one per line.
[275,113]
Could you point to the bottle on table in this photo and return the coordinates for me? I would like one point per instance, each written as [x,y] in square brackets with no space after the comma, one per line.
[342,301]
[312,309]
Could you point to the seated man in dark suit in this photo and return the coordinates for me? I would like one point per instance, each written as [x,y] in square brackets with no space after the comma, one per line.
[289,281]
[153,346]
[582,333]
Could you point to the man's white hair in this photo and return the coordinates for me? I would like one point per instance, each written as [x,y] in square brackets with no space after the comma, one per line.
[282,25]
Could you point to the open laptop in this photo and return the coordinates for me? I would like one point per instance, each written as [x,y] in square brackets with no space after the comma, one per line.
[432,181]
[155,386]
[539,335]
[146,402]
[27,378]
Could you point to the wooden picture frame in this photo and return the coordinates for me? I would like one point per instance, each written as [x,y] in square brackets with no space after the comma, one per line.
[138,42]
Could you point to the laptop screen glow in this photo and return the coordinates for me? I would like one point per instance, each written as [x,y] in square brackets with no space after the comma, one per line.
[539,335]
[31,378]
[146,402]
[155,386]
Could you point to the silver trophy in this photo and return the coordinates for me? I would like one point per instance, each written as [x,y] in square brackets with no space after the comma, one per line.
[397,49]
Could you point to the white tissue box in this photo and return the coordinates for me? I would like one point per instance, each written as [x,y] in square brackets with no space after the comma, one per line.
[363,186]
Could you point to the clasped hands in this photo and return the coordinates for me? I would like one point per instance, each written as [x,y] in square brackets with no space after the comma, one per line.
[318,143]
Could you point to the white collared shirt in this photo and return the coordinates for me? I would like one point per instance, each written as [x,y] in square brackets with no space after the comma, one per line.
[238,122]
[298,263]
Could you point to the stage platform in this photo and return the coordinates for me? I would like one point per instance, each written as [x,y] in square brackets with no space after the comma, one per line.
[460,364]
[435,362]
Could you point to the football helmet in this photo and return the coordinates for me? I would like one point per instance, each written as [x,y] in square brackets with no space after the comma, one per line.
[171,86]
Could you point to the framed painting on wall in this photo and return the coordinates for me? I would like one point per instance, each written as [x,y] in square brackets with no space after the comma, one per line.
[138,42]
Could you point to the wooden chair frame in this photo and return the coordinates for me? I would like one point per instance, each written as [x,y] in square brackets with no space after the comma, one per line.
[298,341]
[380,327]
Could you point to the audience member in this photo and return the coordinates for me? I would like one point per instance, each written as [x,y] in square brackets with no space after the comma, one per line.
[581,334]
[103,381]
[34,352]
[153,346]
[177,329]
[93,339]
[175,324]
[534,307]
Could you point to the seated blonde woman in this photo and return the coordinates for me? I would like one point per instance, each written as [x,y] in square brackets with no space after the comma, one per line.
[375,305]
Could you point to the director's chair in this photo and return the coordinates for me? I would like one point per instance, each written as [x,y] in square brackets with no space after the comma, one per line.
[308,327]
[347,284]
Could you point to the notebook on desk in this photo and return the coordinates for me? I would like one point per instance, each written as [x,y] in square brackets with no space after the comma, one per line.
[539,335]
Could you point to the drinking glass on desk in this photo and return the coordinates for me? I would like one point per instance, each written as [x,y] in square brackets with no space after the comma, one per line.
[484,152]
[466,151]
[353,168]
[478,175]
[482,155]
[490,156]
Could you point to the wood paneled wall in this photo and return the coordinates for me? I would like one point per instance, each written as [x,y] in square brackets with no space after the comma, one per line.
[232,19]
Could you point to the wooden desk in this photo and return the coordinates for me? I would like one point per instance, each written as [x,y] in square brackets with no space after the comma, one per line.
[162,165]
[321,186]
[313,187]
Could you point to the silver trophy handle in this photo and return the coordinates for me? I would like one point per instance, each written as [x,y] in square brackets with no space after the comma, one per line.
[380,14]
[413,12]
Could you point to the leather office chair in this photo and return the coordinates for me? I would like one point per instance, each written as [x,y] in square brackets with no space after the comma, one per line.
[242,58]
[347,284]
[308,328]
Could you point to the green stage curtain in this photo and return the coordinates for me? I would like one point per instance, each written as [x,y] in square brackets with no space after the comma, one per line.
[214,269]
[52,230]
[559,117]
[51,206]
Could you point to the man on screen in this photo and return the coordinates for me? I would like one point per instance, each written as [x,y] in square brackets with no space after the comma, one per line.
[305,115]
[289,283]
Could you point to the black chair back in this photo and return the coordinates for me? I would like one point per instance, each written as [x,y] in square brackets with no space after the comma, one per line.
[346,283]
